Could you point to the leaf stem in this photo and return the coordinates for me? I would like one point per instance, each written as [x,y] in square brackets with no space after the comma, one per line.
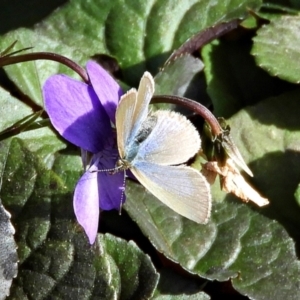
[8,60]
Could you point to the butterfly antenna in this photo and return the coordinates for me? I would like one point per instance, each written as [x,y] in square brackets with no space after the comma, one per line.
[112,171]
[123,191]
[103,170]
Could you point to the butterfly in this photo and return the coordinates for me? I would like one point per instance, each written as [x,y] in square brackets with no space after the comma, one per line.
[154,146]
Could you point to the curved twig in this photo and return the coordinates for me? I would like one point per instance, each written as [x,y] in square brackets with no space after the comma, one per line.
[8,60]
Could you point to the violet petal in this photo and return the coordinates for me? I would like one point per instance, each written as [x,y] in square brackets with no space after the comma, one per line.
[76,113]
[111,186]
[86,204]
[106,88]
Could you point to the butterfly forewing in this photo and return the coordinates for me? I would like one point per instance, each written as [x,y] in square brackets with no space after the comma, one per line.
[173,140]
[181,188]
[124,119]
[145,93]
[131,111]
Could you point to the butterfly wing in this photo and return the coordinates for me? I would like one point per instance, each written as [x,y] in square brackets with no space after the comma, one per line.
[124,119]
[132,110]
[144,96]
[182,188]
[172,141]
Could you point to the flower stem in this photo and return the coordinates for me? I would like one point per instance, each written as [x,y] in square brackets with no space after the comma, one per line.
[194,106]
[9,60]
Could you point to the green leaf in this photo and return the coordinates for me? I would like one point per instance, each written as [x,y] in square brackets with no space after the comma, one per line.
[251,248]
[181,78]
[30,76]
[17,110]
[274,9]
[269,137]
[277,48]
[80,30]
[233,79]
[55,258]
[138,277]
[176,77]
[237,243]
[8,256]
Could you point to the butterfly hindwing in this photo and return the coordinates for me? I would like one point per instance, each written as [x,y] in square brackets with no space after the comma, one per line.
[181,188]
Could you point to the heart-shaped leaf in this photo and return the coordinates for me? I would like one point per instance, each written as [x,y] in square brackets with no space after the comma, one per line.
[80,30]
[55,257]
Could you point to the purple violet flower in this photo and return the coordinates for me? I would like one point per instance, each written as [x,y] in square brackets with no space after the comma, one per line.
[82,113]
